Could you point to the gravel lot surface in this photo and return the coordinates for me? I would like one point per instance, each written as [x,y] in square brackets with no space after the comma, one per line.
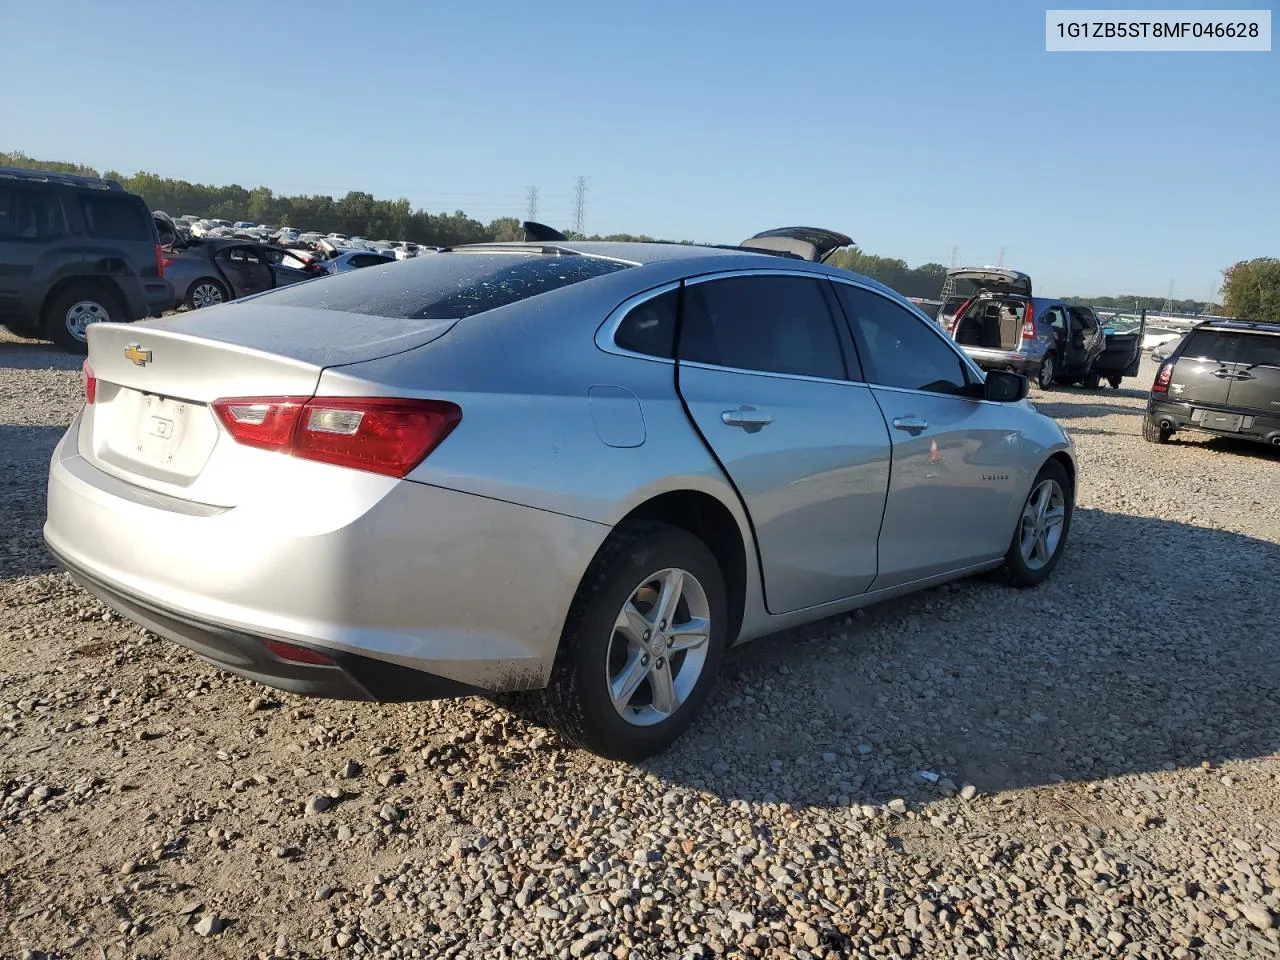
[1090,768]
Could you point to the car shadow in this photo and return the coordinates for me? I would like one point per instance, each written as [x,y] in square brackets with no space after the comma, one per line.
[24,462]
[1132,658]
[35,355]
[1080,411]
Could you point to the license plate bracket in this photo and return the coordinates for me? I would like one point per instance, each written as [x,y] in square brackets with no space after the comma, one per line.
[160,428]
[1226,422]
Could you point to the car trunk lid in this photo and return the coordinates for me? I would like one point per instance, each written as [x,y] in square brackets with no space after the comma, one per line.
[972,280]
[151,422]
[808,243]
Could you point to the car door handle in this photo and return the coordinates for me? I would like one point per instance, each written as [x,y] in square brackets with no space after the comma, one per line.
[749,418]
[912,425]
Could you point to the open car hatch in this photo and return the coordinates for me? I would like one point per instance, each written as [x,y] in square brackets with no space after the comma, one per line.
[807,243]
[991,279]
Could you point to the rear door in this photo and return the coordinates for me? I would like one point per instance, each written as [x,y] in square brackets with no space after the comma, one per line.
[1205,368]
[30,217]
[246,268]
[762,371]
[953,485]
[1256,385]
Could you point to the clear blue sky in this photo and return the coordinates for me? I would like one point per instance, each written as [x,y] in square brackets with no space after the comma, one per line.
[913,127]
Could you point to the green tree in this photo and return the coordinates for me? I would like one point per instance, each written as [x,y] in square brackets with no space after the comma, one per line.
[1252,289]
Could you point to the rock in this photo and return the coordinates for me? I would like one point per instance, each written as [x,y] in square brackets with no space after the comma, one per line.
[968,791]
[1258,915]
[344,833]
[897,805]
[129,867]
[719,768]
[209,925]
[389,813]
[343,939]
[189,907]
[318,804]
[350,770]
[547,913]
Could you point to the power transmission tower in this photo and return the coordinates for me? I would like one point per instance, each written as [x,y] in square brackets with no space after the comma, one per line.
[1167,309]
[532,208]
[1000,259]
[955,257]
[579,204]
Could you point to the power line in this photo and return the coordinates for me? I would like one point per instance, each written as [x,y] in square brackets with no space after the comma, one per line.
[532,208]
[579,204]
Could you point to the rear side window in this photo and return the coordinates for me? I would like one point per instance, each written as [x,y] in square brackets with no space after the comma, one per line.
[447,286]
[1258,350]
[650,327]
[773,324]
[1211,345]
[29,214]
[115,218]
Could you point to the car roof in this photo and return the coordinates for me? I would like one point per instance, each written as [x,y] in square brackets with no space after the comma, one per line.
[1242,326]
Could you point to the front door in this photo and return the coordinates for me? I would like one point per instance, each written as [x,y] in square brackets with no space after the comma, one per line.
[954,478]
[762,372]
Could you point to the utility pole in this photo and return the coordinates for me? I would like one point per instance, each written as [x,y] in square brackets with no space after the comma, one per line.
[579,205]
[1000,259]
[955,257]
[532,208]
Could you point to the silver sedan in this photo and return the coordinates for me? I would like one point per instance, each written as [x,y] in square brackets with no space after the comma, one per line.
[581,470]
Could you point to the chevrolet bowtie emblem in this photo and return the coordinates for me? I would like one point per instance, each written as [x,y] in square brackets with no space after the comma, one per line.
[134,353]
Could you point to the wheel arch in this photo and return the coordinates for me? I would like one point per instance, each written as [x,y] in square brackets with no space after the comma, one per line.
[712,522]
[104,283]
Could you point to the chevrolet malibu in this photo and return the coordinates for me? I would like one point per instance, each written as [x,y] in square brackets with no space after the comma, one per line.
[581,470]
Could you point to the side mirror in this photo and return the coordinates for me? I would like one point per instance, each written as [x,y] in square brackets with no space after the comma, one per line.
[1005,387]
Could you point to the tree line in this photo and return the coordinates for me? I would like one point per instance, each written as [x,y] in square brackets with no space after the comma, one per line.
[1252,288]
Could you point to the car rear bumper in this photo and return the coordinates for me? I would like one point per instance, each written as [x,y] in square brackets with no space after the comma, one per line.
[456,591]
[1173,415]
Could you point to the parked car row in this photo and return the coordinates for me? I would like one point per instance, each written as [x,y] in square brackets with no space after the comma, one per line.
[998,321]
[188,226]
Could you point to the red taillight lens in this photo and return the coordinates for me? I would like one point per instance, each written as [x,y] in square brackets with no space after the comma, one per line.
[1162,379]
[161,262]
[297,654]
[366,433]
[1029,322]
[90,382]
[950,322]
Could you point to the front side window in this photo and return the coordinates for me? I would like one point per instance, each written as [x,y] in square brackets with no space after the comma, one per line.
[29,214]
[770,324]
[898,349]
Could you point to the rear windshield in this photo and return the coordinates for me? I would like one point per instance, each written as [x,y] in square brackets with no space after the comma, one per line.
[447,286]
[1258,350]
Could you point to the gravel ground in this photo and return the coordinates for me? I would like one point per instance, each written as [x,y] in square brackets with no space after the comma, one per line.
[1086,769]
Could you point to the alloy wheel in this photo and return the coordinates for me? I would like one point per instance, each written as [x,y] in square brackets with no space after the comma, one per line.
[206,295]
[659,647]
[1042,521]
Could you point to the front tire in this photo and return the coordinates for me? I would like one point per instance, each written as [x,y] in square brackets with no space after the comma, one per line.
[206,292]
[70,314]
[1115,382]
[1043,525]
[642,644]
[1047,372]
[1092,382]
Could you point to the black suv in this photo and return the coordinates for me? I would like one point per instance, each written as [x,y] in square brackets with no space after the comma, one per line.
[73,251]
[1223,378]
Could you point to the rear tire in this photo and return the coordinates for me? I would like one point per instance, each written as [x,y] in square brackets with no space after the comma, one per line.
[1043,526]
[71,312]
[597,657]
[1153,432]
[1047,373]
[1115,382]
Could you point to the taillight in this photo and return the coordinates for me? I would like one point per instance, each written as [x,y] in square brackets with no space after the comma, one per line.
[161,263]
[90,382]
[298,654]
[1029,322]
[1162,379]
[367,433]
